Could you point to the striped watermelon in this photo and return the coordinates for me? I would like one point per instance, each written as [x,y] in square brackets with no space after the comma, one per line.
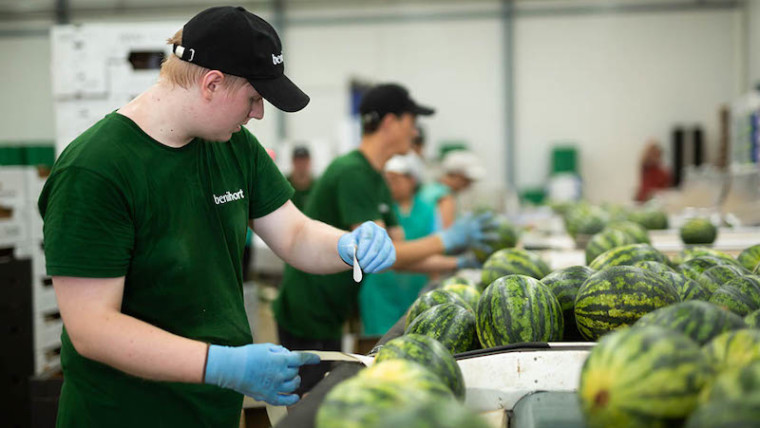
[733,383]
[565,283]
[750,257]
[654,267]
[370,396]
[513,261]
[429,353]
[753,320]
[700,321]
[650,218]
[749,285]
[733,299]
[638,232]
[733,349]
[518,308]
[694,267]
[714,277]
[687,289]
[430,299]
[698,230]
[468,293]
[618,296]
[448,323]
[605,241]
[693,252]
[627,255]
[432,414]
[641,377]
[507,234]
[457,279]
[743,412]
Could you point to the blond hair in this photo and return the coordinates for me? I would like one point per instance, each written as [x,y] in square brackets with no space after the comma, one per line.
[184,74]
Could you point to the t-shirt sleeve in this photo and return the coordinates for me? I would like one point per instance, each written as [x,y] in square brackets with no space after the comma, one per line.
[88,230]
[358,199]
[269,188]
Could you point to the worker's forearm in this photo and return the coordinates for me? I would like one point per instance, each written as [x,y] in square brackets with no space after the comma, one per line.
[433,264]
[411,252]
[315,248]
[140,349]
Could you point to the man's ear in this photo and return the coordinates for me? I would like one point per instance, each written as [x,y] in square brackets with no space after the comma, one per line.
[211,83]
[387,120]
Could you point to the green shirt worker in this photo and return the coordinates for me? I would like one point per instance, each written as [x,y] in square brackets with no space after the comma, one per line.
[145,218]
[460,169]
[385,297]
[300,177]
[311,309]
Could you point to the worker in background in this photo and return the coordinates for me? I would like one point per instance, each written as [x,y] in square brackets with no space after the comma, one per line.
[385,297]
[145,218]
[300,177]
[459,170]
[653,175]
[311,309]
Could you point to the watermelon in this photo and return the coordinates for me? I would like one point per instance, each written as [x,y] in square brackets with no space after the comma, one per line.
[753,320]
[733,349]
[733,299]
[641,377]
[518,308]
[698,230]
[606,240]
[511,261]
[634,230]
[564,284]
[743,412]
[457,279]
[468,293]
[430,299]
[687,289]
[749,285]
[654,267]
[429,353]
[750,257]
[619,296]
[700,321]
[651,219]
[627,255]
[448,323]
[694,267]
[367,398]
[714,277]
[693,252]
[507,235]
[432,414]
[731,384]
[585,220]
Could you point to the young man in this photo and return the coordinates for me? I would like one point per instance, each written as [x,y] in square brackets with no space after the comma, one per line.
[145,221]
[300,177]
[311,309]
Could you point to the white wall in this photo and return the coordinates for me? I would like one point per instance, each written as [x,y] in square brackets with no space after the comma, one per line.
[753,42]
[609,82]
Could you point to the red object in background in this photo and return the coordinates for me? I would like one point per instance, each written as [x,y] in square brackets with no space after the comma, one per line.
[271,153]
[654,176]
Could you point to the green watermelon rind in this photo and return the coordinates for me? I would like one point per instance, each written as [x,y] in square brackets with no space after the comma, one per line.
[750,257]
[451,324]
[698,231]
[430,299]
[511,261]
[627,255]
[605,241]
[700,321]
[733,349]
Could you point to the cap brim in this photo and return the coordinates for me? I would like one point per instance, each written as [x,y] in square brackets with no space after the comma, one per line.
[282,93]
[423,111]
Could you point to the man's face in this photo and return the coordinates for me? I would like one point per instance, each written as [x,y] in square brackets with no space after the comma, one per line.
[231,109]
[400,185]
[404,131]
[301,164]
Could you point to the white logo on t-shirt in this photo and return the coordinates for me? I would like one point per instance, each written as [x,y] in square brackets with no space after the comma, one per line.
[227,197]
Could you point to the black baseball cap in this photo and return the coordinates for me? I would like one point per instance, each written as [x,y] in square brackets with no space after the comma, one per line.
[237,42]
[301,152]
[390,98]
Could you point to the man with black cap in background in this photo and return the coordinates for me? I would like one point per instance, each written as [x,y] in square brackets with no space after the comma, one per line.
[311,309]
[145,218]
[300,176]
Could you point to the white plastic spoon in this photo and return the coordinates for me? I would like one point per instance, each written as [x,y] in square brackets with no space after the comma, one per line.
[357,268]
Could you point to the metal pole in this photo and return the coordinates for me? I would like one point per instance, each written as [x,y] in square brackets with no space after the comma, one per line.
[62,12]
[278,21]
[507,37]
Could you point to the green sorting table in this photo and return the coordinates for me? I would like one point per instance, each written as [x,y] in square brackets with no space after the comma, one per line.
[548,409]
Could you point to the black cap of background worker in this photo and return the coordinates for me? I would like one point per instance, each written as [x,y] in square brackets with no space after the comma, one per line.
[237,42]
[389,98]
[301,152]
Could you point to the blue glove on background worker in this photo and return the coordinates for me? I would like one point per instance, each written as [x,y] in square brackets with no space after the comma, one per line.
[374,249]
[469,231]
[263,371]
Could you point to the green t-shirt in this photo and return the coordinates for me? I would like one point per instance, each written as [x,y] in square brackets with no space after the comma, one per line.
[173,222]
[349,192]
[301,196]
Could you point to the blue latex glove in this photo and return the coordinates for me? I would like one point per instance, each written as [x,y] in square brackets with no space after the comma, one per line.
[374,249]
[265,372]
[468,261]
[469,231]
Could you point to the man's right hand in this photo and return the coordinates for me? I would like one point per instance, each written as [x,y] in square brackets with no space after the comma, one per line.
[265,372]
[469,231]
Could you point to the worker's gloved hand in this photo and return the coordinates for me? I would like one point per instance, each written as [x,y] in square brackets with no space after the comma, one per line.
[265,372]
[468,261]
[469,231]
[374,249]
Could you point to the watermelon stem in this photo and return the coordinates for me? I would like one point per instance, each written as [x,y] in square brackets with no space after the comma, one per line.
[602,398]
